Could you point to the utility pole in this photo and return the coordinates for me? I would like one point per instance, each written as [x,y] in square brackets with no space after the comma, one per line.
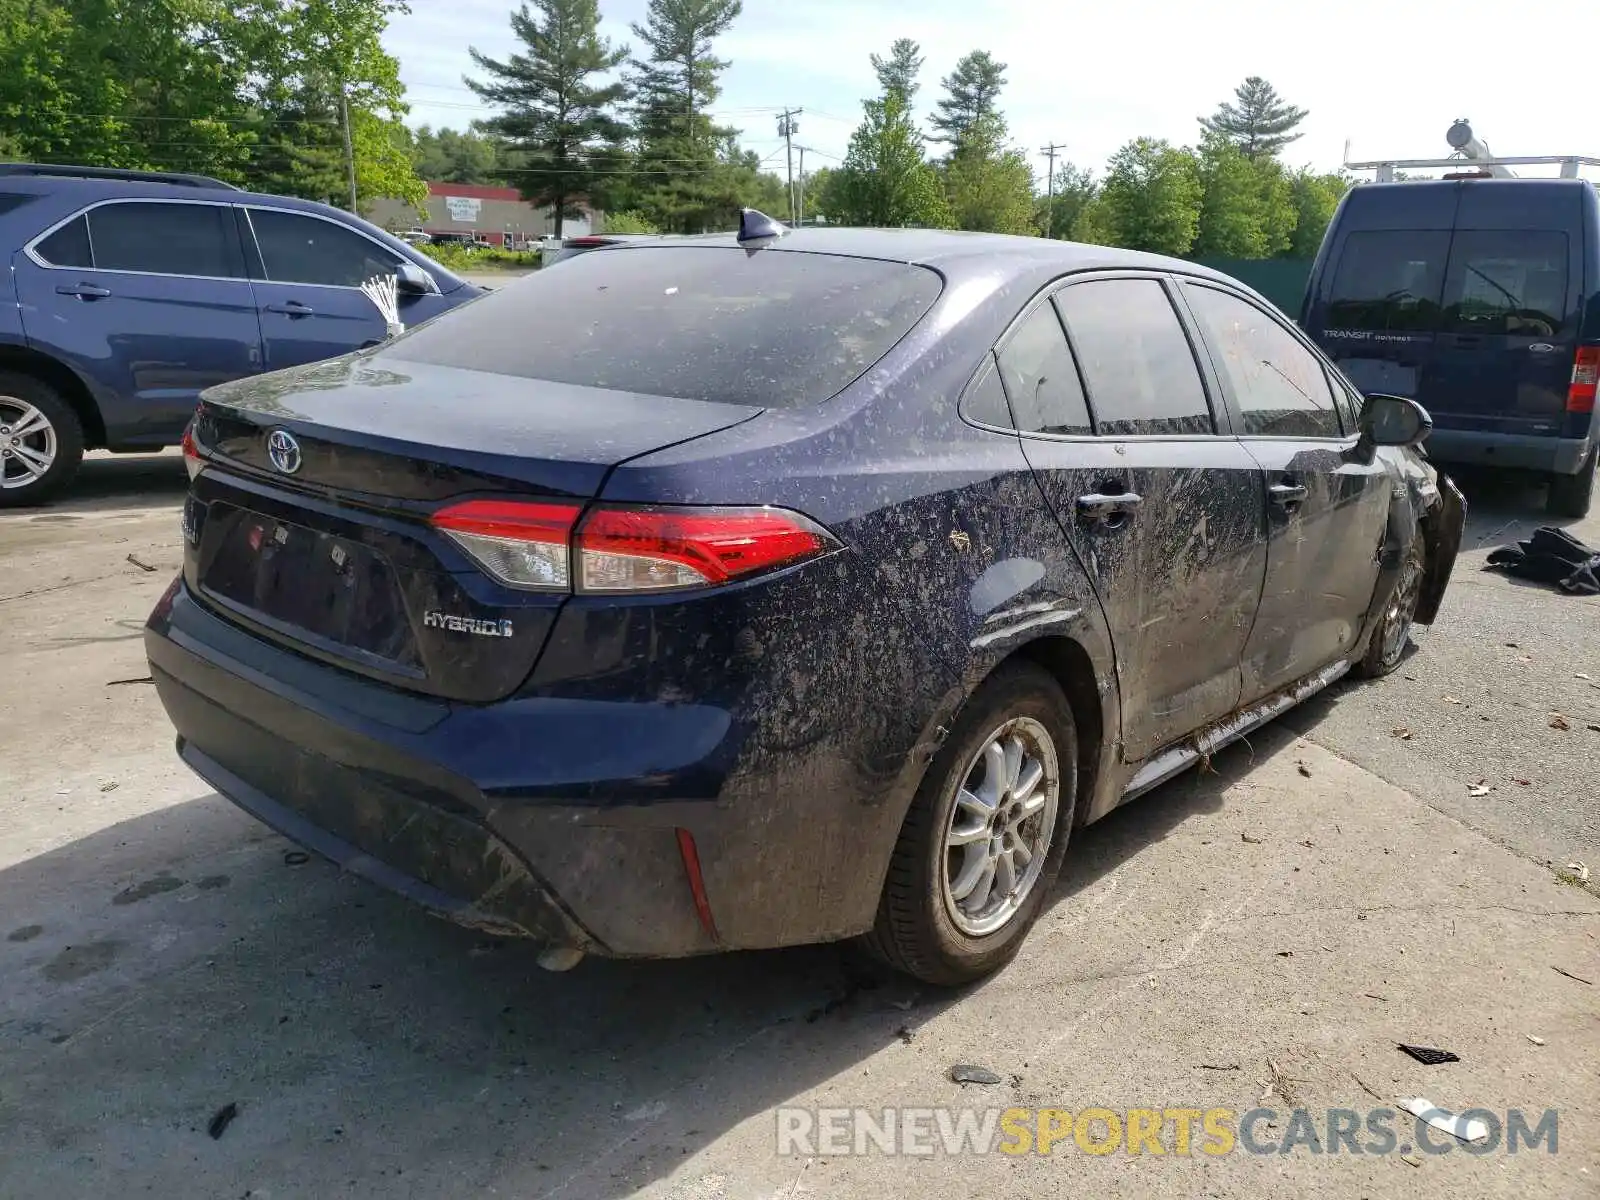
[787,128]
[800,207]
[1050,187]
[349,145]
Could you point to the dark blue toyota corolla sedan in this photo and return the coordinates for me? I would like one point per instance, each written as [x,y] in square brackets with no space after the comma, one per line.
[750,591]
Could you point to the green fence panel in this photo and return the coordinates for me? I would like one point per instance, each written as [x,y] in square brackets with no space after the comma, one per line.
[1281,280]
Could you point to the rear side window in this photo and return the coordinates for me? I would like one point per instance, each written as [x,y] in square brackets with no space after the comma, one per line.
[1388,280]
[1136,359]
[300,249]
[166,239]
[1041,382]
[1279,385]
[775,328]
[985,401]
[1511,281]
[67,246]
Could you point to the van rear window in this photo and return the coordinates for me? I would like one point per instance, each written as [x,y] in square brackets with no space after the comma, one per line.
[1506,281]
[1389,280]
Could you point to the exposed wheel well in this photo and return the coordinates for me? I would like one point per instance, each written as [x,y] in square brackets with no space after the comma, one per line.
[61,377]
[1074,671]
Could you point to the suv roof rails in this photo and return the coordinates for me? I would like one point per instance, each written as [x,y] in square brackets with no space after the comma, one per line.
[69,171]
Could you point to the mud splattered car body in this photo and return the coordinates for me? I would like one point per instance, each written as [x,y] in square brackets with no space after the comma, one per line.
[1009,471]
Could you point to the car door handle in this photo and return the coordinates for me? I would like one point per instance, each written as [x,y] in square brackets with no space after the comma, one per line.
[292,308]
[1107,506]
[1287,495]
[83,291]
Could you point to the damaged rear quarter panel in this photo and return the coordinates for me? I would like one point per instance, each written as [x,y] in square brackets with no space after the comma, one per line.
[842,677]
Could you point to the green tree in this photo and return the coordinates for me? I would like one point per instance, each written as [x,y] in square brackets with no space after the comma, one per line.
[972,92]
[309,62]
[1231,215]
[676,165]
[1259,121]
[1075,189]
[556,105]
[1314,198]
[123,83]
[885,180]
[628,222]
[899,72]
[457,156]
[1151,198]
[989,185]
[1093,225]
[1279,216]
[819,187]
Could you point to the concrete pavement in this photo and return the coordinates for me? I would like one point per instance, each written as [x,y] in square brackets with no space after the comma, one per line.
[1270,930]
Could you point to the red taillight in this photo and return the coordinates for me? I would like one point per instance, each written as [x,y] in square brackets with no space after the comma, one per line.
[522,543]
[191,453]
[661,549]
[1585,375]
[531,544]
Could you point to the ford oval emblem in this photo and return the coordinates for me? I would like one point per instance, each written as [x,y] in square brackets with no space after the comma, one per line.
[284,451]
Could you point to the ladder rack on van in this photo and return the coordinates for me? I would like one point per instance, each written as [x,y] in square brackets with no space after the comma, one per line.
[1385,169]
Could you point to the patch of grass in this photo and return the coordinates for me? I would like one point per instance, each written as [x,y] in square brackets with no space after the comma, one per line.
[459,258]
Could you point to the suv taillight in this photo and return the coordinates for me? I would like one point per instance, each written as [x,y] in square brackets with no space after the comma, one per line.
[1585,375]
[541,545]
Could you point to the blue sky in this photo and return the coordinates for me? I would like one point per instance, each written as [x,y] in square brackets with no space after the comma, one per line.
[1390,77]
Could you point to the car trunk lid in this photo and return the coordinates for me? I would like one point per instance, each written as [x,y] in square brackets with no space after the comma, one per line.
[308,519]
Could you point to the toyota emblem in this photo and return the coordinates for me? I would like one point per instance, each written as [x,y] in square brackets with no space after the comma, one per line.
[284,451]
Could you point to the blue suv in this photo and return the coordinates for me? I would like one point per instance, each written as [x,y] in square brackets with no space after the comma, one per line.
[131,292]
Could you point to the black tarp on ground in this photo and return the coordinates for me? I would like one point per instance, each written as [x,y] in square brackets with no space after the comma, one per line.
[1552,556]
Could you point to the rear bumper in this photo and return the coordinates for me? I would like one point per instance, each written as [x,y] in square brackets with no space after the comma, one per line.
[551,818]
[426,798]
[1557,455]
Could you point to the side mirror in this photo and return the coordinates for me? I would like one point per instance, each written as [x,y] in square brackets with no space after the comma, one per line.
[412,280]
[1394,421]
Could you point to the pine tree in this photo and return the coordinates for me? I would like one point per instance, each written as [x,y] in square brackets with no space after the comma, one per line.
[1261,123]
[973,89]
[898,73]
[676,167]
[556,105]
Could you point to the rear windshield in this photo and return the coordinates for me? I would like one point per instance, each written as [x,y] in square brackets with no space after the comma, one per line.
[1493,281]
[772,328]
[1389,280]
[1506,282]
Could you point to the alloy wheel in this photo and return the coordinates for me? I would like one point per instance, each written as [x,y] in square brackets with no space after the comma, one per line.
[1001,826]
[1402,609]
[27,443]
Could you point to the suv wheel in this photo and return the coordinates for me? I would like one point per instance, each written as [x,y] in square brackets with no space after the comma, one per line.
[41,441]
[983,842]
[1570,494]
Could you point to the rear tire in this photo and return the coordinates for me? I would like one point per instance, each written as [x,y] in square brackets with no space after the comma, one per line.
[1015,744]
[41,441]
[1387,649]
[1570,495]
